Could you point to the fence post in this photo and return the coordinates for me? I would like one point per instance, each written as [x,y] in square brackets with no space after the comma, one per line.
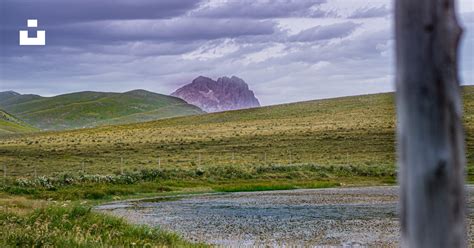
[121,165]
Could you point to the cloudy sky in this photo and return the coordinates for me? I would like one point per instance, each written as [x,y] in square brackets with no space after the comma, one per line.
[288,50]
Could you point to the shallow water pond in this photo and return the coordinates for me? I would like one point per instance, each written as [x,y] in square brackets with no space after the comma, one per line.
[348,217]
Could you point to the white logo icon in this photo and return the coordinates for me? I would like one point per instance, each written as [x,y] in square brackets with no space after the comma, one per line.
[39,40]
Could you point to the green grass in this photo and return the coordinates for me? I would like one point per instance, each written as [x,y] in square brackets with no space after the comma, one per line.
[276,185]
[10,124]
[75,225]
[223,179]
[89,109]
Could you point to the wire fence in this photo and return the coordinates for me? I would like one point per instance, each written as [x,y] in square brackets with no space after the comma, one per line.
[120,164]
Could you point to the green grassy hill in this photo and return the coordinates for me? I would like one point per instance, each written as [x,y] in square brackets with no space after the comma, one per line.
[10,124]
[357,131]
[89,109]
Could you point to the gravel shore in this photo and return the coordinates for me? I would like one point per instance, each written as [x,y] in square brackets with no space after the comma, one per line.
[341,217]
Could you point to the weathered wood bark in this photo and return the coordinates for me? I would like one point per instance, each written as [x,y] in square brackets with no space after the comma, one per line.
[430,133]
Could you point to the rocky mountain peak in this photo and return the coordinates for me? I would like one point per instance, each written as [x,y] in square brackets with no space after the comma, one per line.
[221,95]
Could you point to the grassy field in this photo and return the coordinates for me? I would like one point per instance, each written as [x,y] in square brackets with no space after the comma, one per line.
[354,130]
[10,124]
[346,131]
[89,109]
[328,143]
[35,223]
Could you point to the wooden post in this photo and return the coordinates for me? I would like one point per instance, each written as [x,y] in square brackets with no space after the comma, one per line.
[431,153]
[159,163]
[83,168]
[121,165]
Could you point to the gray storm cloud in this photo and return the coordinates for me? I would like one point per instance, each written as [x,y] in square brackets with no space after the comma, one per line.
[286,50]
[264,9]
[333,31]
[60,12]
[370,12]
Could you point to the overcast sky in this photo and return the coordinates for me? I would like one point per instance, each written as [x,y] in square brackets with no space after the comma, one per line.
[287,51]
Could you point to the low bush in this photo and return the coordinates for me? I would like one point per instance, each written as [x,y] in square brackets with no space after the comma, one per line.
[95,187]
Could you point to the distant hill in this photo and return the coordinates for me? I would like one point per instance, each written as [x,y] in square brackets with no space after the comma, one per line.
[216,96]
[90,109]
[9,98]
[10,124]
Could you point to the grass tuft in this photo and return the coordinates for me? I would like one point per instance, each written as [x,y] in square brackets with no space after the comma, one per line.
[78,226]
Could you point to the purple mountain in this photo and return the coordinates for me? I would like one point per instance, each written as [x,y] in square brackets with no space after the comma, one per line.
[221,95]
